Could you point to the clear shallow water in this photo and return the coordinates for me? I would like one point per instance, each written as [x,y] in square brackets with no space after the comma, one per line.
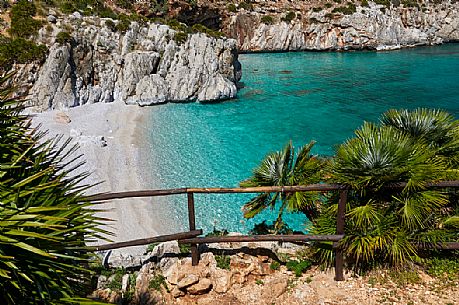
[289,96]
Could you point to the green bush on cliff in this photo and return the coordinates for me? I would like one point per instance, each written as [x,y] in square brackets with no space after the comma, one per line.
[246,5]
[266,19]
[45,220]
[232,8]
[203,29]
[22,23]
[288,17]
[110,24]
[126,4]
[410,3]
[386,3]
[87,7]
[64,37]
[346,10]
[19,50]
[180,37]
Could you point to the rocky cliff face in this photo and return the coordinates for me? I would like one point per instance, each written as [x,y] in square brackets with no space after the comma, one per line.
[321,26]
[145,66]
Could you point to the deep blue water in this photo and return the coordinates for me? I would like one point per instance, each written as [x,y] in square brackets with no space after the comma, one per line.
[289,96]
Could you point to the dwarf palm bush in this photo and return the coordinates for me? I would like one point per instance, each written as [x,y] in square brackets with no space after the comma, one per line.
[44,219]
[285,168]
[384,224]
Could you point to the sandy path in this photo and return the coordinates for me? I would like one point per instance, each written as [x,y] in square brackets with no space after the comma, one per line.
[116,164]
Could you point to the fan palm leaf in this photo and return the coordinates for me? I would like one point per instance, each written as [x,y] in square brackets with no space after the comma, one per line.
[285,168]
[45,220]
[385,223]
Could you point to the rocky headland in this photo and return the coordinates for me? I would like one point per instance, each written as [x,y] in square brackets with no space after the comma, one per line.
[93,62]
[336,25]
[92,59]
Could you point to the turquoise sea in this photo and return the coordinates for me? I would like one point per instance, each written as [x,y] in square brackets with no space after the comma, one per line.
[288,96]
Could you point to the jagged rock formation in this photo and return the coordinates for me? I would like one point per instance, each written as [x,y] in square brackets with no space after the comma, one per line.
[316,27]
[144,66]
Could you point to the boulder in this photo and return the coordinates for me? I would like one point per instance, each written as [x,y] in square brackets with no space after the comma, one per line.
[188,280]
[165,255]
[203,286]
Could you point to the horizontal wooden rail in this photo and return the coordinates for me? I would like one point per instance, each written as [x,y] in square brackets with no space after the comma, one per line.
[131,194]
[146,241]
[255,238]
[192,238]
[440,246]
[322,187]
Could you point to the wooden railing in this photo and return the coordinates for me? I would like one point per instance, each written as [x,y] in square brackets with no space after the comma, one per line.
[192,236]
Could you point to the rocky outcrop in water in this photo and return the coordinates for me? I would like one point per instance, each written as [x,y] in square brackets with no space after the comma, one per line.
[315,27]
[144,66]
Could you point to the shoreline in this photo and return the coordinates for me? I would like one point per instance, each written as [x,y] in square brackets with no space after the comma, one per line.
[113,140]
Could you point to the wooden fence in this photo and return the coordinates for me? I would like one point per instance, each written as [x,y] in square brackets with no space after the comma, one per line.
[192,236]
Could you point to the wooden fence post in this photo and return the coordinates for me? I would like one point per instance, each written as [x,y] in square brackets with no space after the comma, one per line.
[192,223]
[339,255]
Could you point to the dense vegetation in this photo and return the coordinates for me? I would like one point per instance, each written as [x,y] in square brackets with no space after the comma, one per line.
[383,225]
[19,48]
[45,221]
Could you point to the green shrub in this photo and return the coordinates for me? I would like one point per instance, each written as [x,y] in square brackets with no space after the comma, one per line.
[180,37]
[22,23]
[110,25]
[446,268]
[123,25]
[199,28]
[185,248]
[126,4]
[298,267]
[177,25]
[274,265]
[364,3]
[158,281]
[317,9]
[266,19]
[87,7]
[116,279]
[328,5]
[246,5]
[346,10]
[409,3]
[232,8]
[289,17]
[64,37]
[386,3]
[404,277]
[21,51]
[223,261]
[44,217]
[383,225]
